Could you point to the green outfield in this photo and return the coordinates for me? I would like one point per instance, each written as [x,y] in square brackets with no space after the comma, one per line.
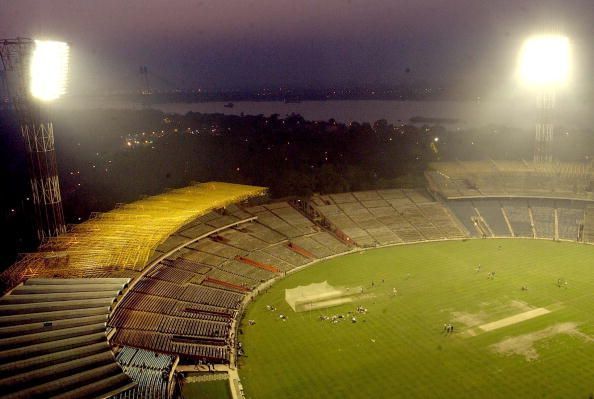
[508,341]
[216,389]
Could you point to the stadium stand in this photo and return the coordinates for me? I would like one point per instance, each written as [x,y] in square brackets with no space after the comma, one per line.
[442,219]
[266,258]
[386,217]
[519,218]
[492,214]
[53,340]
[466,214]
[334,245]
[543,216]
[313,247]
[284,253]
[570,217]
[453,180]
[152,372]
[533,218]
[273,221]
[262,233]
[589,225]
[185,303]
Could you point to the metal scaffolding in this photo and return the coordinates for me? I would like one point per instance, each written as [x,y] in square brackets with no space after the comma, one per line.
[125,237]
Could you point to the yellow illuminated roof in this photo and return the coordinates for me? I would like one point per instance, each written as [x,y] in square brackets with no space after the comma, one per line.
[126,236]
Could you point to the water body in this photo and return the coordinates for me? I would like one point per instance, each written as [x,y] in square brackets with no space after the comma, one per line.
[519,114]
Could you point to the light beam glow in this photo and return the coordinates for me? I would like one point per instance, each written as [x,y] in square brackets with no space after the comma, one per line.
[544,60]
[49,69]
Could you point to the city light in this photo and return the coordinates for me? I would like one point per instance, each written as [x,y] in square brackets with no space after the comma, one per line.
[49,69]
[544,60]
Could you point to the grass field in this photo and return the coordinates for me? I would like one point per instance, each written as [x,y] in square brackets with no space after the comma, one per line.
[207,390]
[398,349]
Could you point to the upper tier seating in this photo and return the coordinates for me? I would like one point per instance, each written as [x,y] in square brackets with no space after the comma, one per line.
[511,178]
[383,217]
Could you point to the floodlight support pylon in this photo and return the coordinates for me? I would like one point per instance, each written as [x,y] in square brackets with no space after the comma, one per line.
[544,130]
[38,137]
[45,183]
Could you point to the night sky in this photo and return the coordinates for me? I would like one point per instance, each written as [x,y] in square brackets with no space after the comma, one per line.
[298,43]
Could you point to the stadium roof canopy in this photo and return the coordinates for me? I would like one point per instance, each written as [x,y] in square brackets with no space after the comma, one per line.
[125,237]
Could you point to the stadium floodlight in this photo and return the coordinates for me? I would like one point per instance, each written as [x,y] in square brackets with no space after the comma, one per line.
[48,69]
[544,61]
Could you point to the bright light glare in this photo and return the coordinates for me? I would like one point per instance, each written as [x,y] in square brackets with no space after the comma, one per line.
[49,69]
[544,60]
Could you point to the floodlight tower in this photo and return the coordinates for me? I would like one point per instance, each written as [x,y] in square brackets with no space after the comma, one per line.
[544,67]
[35,73]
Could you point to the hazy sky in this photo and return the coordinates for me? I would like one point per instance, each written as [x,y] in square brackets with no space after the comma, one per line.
[250,43]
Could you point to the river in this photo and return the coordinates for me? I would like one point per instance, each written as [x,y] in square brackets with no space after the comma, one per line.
[519,114]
